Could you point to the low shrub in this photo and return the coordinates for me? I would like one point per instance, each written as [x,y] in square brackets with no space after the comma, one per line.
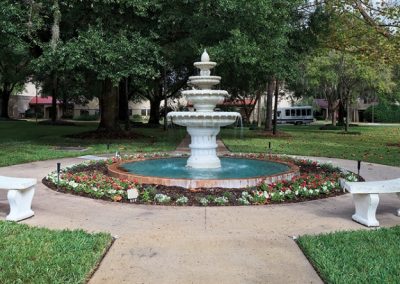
[383,112]
[87,117]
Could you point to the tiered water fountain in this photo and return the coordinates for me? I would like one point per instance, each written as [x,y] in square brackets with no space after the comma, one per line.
[203,124]
[203,168]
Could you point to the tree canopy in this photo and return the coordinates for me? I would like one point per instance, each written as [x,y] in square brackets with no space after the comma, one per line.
[134,49]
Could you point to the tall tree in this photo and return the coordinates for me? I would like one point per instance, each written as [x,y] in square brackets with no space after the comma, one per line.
[15,57]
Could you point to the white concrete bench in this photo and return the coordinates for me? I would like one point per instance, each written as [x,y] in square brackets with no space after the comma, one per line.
[366,198]
[20,195]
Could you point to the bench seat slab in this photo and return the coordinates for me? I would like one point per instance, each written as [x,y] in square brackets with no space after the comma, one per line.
[366,205]
[20,203]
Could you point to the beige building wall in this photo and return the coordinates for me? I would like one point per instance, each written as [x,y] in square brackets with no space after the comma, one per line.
[93,108]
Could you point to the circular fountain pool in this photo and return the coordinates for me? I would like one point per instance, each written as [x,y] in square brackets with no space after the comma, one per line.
[234,173]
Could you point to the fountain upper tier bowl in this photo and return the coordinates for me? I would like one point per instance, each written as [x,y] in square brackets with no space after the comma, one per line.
[204,82]
[203,119]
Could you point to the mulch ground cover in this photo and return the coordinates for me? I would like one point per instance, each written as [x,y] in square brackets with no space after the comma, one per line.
[147,192]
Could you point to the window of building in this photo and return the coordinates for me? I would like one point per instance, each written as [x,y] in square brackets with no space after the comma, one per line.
[84,112]
[287,112]
[309,112]
[303,112]
[293,112]
[298,112]
[145,112]
[279,113]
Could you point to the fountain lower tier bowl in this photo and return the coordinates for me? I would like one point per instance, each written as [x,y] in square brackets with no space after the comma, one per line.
[234,173]
[203,119]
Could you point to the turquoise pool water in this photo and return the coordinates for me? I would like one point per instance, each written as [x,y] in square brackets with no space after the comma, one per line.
[231,168]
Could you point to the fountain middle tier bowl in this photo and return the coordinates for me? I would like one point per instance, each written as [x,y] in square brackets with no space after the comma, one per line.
[203,119]
[204,82]
[205,100]
[234,173]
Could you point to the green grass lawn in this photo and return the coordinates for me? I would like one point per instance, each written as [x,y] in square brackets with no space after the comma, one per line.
[23,141]
[355,257]
[370,145]
[38,255]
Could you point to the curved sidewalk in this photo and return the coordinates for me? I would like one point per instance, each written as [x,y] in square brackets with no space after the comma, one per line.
[157,244]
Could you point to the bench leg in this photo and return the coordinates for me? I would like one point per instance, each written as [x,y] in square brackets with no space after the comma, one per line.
[20,204]
[398,210]
[366,205]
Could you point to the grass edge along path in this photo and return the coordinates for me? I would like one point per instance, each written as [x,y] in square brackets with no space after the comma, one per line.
[40,255]
[362,256]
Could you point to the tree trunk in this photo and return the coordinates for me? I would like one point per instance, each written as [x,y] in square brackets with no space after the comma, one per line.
[341,113]
[258,102]
[5,98]
[346,127]
[124,103]
[333,113]
[54,99]
[155,111]
[270,94]
[276,108]
[109,108]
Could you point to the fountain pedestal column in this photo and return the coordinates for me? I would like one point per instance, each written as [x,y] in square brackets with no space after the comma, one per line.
[203,148]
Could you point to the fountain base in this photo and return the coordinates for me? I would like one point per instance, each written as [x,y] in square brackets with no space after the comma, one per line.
[236,172]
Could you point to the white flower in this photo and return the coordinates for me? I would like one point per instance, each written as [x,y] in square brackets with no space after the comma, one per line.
[182,200]
[73,184]
[162,198]
[243,201]
[204,201]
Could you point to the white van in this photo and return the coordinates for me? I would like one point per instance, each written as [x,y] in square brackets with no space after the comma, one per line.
[295,115]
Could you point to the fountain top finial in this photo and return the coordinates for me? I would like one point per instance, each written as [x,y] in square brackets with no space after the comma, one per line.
[205,57]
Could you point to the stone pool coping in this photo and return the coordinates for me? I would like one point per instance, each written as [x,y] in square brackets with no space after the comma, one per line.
[115,170]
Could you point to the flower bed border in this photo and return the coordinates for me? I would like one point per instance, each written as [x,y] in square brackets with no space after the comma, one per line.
[91,179]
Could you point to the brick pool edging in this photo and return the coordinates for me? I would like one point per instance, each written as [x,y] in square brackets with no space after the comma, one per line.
[116,171]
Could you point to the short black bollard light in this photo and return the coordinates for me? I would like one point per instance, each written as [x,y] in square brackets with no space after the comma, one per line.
[108,146]
[269,145]
[358,167]
[58,173]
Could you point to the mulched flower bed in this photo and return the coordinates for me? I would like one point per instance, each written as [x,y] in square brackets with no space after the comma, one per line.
[90,179]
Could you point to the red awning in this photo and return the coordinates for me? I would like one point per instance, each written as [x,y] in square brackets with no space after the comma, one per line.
[42,101]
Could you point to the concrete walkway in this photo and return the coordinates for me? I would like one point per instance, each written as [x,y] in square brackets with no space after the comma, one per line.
[157,244]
